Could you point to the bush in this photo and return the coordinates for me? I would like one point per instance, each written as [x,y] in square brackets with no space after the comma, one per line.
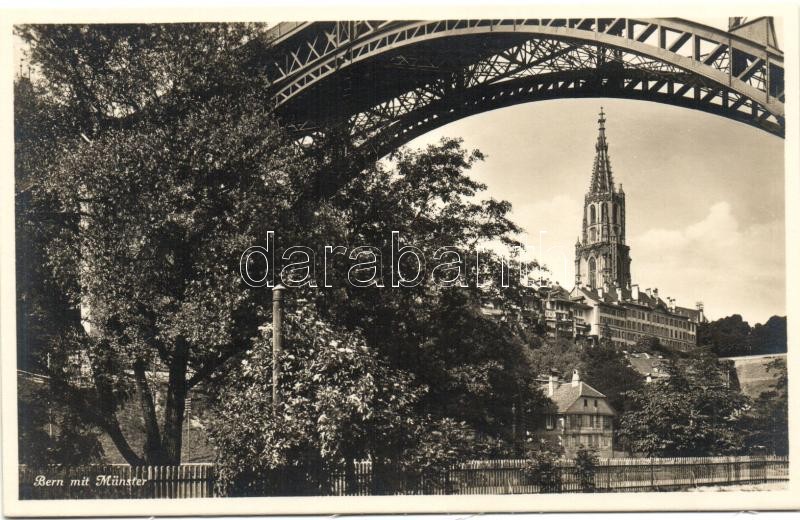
[585,469]
[440,446]
[542,468]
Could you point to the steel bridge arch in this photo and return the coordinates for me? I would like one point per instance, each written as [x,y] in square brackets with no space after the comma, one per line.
[390,81]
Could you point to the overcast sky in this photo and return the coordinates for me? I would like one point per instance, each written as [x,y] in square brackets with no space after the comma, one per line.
[705,195]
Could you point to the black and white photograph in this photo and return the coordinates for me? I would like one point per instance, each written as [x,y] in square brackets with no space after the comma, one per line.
[409,261]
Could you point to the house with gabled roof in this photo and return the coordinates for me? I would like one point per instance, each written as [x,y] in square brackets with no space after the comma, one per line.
[580,417]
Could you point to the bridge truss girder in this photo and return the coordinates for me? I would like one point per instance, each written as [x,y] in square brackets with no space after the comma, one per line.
[388,81]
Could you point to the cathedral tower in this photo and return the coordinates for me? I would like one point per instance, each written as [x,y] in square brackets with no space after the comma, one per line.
[602,260]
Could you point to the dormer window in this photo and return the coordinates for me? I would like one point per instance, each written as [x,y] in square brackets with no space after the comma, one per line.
[585,403]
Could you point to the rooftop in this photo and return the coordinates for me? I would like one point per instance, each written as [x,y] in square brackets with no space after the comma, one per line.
[567,395]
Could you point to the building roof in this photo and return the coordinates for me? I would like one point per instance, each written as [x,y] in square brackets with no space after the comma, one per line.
[612,298]
[645,365]
[693,314]
[567,397]
[556,292]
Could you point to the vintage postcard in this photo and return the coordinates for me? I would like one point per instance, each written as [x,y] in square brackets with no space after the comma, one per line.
[424,259]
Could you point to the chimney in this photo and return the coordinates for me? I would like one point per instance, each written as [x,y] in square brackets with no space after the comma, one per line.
[701,317]
[552,382]
[655,293]
[600,291]
[619,294]
[576,378]
[635,291]
[671,304]
[649,292]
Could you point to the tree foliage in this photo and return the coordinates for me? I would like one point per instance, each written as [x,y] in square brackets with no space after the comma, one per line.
[49,433]
[585,469]
[167,165]
[340,403]
[473,364]
[542,466]
[607,370]
[155,186]
[732,336]
[767,422]
[561,356]
[693,412]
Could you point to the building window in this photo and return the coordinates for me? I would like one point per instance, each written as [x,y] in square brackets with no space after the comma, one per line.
[549,423]
[585,403]
[592,214]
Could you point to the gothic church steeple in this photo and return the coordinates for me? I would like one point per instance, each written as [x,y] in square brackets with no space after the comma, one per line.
[601,257]
[602,179]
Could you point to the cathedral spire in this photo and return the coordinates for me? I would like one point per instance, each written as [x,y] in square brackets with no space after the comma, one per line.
[602,180]
[601,257]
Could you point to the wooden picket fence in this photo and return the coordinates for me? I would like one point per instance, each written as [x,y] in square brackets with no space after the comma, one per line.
[622,475]
[480,477]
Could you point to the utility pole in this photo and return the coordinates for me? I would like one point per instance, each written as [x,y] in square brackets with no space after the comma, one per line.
[277,343]
[49,403]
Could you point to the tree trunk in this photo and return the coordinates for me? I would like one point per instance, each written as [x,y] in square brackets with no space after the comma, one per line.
[175,405]
[153,452]
[107,405]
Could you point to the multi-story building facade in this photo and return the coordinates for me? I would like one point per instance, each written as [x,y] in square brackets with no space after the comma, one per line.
[564,317]
[626,316]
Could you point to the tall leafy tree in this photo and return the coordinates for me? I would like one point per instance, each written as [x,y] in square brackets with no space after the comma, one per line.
[729,336]
[769,338]
[693,412]
[159,181]
[473,364]
[607,370]
[732,336]
[45,312]
[171,165]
